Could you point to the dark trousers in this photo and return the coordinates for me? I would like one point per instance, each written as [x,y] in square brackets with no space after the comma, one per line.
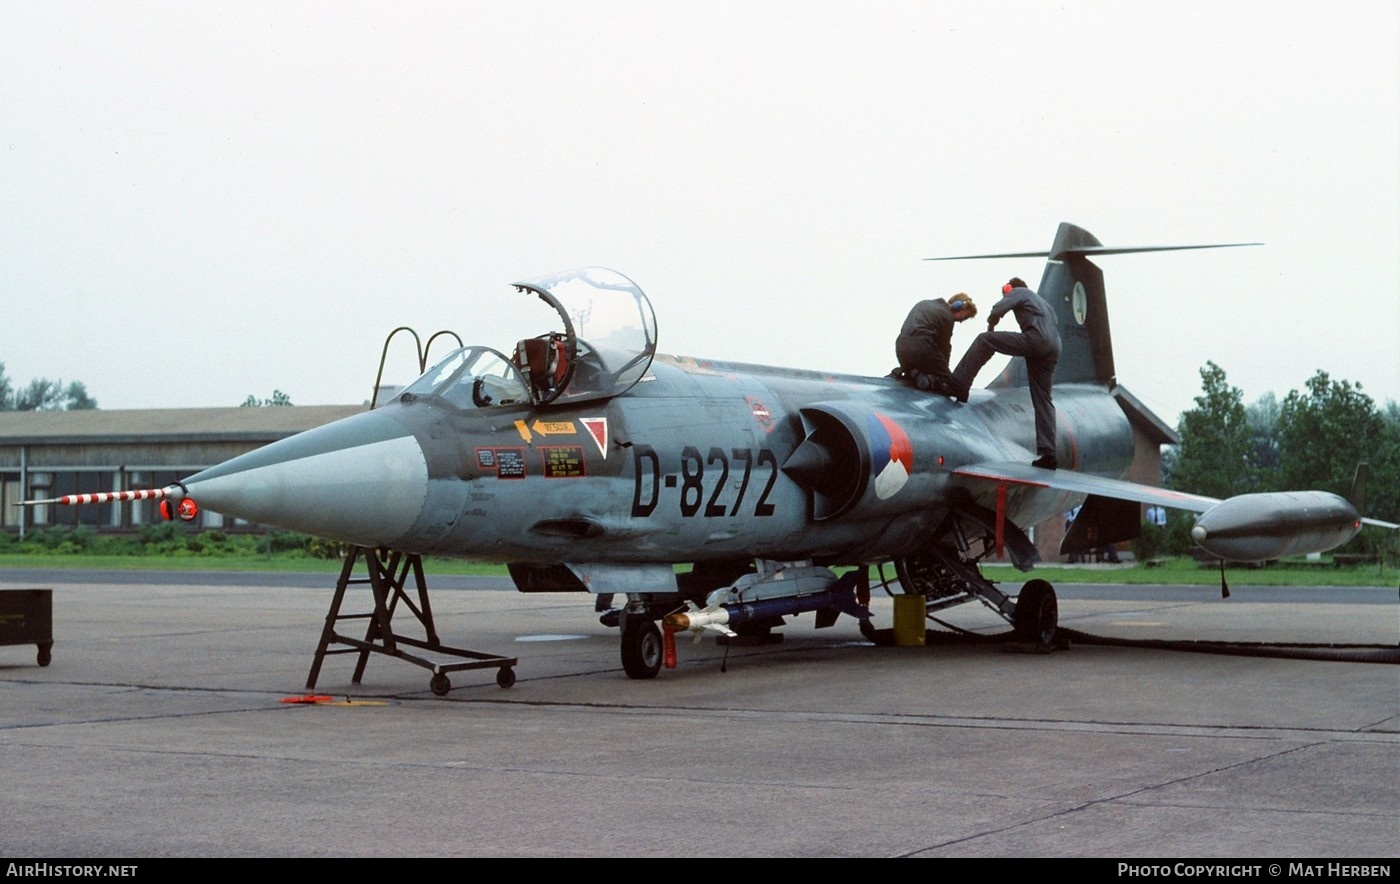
[922,357]
[1040,368]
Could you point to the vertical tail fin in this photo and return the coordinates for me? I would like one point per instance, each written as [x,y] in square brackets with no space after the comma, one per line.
[1073,285]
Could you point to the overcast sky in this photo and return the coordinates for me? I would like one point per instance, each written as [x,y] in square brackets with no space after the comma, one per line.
[206,201]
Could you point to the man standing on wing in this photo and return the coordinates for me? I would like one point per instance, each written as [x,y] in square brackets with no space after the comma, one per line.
[1038,341]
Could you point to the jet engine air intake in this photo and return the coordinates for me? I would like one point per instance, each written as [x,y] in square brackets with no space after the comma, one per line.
[854,459]
[832,462]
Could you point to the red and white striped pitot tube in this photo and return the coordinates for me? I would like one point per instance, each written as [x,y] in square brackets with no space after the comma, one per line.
[101,497]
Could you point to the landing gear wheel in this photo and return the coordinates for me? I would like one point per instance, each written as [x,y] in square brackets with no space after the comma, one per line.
[505,676]
[44,654]
[1037,614]
[641,647]
[440,684]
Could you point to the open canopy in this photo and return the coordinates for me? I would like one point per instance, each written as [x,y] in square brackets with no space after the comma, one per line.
[604,343]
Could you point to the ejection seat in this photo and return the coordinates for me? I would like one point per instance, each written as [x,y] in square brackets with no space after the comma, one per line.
[544,360]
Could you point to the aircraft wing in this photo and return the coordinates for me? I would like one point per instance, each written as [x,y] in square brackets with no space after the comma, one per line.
[1084,483]
[1244,528]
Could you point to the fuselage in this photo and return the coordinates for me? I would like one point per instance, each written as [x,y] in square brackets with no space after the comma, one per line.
[688,465]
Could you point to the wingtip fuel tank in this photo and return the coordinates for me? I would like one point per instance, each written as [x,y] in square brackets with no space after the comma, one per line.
[1266,526]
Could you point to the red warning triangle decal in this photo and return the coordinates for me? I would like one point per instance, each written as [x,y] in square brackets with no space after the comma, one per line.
[597,428]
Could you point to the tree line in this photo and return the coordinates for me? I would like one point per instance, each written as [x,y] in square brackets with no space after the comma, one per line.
[43,394]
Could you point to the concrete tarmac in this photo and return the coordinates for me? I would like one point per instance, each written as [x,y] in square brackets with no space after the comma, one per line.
[158,730]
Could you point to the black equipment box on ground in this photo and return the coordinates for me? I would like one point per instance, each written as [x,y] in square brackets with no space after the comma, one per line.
[26,618]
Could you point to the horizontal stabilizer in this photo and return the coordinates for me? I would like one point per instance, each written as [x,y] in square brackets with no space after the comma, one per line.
[1089,250]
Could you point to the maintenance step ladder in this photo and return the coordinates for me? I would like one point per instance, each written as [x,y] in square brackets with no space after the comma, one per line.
[388,572]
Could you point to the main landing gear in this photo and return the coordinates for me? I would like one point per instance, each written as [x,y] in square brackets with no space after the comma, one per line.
[947,573]
[1037,614]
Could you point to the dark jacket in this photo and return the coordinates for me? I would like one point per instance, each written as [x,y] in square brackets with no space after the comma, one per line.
[925,340]
[1035,317]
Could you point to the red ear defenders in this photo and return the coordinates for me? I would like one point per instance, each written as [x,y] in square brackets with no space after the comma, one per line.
[1006,289]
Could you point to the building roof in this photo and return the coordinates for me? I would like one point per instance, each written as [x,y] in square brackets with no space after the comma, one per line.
[170,425]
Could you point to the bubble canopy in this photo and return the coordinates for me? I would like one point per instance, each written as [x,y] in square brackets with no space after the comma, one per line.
[606,345]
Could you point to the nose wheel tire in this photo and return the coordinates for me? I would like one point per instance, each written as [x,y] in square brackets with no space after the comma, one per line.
[1037,614]
[642,650]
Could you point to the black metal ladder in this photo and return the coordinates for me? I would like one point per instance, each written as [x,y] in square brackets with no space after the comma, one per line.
[388,572]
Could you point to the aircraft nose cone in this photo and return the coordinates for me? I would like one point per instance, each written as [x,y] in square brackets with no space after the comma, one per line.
[360,480]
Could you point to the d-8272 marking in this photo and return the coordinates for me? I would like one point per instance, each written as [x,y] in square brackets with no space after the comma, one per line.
[648,480]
